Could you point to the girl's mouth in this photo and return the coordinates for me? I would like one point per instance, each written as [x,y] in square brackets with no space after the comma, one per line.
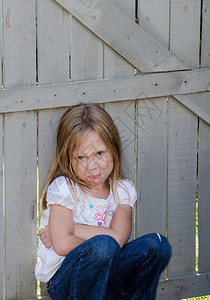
[95,176]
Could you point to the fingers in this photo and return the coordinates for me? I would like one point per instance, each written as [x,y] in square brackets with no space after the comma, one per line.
[41,232]
[44,236]
[47,243]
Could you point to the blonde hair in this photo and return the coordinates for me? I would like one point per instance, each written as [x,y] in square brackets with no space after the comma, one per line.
[74,125]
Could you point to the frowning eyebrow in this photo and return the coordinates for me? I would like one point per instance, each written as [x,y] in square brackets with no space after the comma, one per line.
[91,148]
[86,154]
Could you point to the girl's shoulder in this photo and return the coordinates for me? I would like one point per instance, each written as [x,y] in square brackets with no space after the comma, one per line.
[58,183]
[127,192]
[126,185]
[62,192]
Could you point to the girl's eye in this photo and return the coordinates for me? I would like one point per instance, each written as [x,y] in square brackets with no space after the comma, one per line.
[100,153]
[81,157]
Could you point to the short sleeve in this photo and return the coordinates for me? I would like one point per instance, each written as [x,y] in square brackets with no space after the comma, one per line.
[59,193]
[127,193]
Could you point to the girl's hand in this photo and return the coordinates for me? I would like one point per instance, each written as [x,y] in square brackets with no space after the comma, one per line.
[44,235]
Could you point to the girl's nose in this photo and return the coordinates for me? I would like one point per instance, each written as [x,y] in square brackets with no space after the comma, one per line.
[92,163]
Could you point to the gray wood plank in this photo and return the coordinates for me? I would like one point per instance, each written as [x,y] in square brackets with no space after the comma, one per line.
[123,114]
[2,253]
[184,287]
[185,30]
[109,90]
[205,48]
[114,64]
[1,45]
[19,61]
[126,6]
[47,128]
[199,103]
[53,67]
[20,204]
[86,53]
[182,166]
[118,68]
[19,35]
[153,16]
[123,35]
[53,35]
[203,197]
[152,165]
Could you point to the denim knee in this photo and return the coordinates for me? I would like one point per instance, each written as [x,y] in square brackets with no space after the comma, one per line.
[161,247]
[105,248]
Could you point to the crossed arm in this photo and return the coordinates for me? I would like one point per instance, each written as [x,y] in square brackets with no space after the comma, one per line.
[64,235]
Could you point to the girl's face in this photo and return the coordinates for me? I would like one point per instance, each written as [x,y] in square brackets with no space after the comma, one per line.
[93,162]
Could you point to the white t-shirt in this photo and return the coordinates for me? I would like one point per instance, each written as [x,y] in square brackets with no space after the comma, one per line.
[86,209]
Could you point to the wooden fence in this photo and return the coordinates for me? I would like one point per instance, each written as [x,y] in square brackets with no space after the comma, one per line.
[148,63]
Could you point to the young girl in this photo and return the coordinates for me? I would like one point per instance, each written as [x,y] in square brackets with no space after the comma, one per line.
[86,208]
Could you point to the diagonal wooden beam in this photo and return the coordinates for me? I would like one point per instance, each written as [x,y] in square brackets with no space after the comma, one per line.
[199,103]
[122,34]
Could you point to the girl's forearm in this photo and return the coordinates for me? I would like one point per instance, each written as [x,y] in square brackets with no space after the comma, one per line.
[63,246]
[67,244]
[87,231]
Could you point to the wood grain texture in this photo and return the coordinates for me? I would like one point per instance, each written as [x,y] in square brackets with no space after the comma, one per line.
[123,35]
[123,114]
[199,103]
[184,287]
[152,166]
[86,53]
[203,197]
[182,166]
[19,65]
[20,204]
[1,44]
[205,48]
[108,90]
[48,123]
[154,17]
[2,253]
[114,64]
[53,35]
[2,245]
[185,30]
[19,35]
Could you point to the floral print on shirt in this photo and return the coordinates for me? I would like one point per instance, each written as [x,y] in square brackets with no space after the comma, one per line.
[96,214]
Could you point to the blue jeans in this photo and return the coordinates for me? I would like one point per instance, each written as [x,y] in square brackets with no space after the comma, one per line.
[98,269]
